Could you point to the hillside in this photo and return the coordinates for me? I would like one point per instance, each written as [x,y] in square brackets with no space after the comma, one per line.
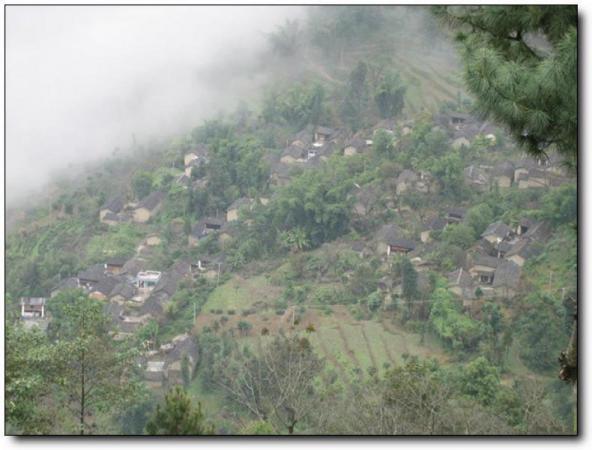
[361,206]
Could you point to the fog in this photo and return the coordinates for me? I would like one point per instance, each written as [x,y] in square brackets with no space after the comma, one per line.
[81,81]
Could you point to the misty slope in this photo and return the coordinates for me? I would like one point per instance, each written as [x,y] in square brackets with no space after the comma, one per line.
[309,251]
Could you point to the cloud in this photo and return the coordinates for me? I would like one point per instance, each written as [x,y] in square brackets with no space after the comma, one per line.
[80,80]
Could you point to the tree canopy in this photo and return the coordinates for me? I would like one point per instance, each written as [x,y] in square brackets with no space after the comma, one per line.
[521,64]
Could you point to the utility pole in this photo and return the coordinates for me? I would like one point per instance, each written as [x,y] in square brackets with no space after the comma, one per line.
[218,281]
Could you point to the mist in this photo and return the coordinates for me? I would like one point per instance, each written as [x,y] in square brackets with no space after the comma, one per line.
[81,81]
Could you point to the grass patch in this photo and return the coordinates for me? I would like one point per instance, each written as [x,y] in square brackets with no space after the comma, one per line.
[240,293]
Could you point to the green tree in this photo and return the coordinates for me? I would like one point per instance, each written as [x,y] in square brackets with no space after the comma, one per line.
[382,143]
[481,380]
[178,417]
[95,375]
[28,377]
[355,101]
[542,332]
[478,218]
[389,95]
[459,235]
[521,64]
[142,184]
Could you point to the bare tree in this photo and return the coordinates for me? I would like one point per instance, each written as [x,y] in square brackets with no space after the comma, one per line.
[275,385]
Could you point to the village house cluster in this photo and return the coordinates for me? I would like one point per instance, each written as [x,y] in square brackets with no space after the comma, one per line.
[134,294]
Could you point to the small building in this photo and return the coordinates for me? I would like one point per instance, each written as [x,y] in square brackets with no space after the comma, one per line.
[90,277]
[461,284]
[496,233]
[503,174]
[522,250]
[435,224]
[524,225]
[66,283]
[155,374]
[483,269]
[455,215]
[323,134]
[294,154]
[148,279]
[114,266]
[184,347]
[203,228]
[103,288]
[148,207]
[33,307]
[476,177]
[112,207]
[122,292]
[355,146]
[507,279]
[391,241]
[405,181]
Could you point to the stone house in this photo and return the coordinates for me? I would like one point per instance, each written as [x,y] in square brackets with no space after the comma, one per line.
[148,207]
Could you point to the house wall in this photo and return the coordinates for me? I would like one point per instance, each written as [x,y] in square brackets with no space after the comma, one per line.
[189,157]
[97,295]
[477,269]
[492,239]
[458,143]
[503,181]
[109,222]
[425,236]
[401,187]
[350,151]
[102,214]
[141,215]
[153,241]
[287,159]
[231,215]
[193,241]
[517,259]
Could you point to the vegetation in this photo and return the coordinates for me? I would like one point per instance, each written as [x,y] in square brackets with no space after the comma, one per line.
[309,318]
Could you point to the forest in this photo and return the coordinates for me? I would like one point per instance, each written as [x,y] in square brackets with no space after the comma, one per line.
[384,242]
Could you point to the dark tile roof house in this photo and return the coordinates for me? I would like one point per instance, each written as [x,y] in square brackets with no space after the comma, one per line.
[435,224]
[507,275]
[505,168]
[123,289]
[477,176]
[392,236]
[116,262]
[324,131]
[462,279]
[525,248]
[407,176]
[151,201]
[114,204]
[497,230]
[92,275]
[455,215]
[303,137]
[105,286]
[205,226]
[295,151]
[540,231]
[486,261]
[66,283]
